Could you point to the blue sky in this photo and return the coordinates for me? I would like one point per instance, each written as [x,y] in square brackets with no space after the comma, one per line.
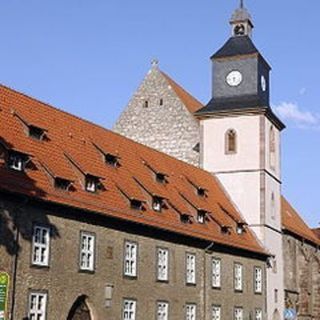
[88,57]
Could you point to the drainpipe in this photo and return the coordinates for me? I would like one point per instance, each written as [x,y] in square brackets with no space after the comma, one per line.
[206,250]
[14,266]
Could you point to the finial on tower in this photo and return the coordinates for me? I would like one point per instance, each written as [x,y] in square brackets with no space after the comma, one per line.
[155,63]
[241,21]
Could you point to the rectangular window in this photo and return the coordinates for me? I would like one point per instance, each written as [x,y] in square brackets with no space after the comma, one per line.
[238,277]
[216,313]
[129,309]
[190,268]
[258,314]
[238,313]
[257,280]
[40,246]
[163,264]
[37,306]
[130,259]
[162,311]
[216,273]
[191,312]
[87,247]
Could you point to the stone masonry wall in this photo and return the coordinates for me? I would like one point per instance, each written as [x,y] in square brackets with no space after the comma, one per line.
[302,278]
[64,283]
[164,123]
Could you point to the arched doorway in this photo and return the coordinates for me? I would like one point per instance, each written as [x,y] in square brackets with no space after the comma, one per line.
[80,310]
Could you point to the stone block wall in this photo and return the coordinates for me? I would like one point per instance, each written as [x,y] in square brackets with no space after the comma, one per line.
[302,277]
[64,283]
[156,117]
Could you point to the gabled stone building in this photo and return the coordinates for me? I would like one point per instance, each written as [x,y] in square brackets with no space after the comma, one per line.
[240,142]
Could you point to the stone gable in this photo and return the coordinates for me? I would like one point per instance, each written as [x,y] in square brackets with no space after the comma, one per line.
[156,117]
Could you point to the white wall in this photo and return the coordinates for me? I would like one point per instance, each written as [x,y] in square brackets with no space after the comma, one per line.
[250,182]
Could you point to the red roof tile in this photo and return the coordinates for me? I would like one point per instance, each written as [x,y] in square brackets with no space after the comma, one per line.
[292,222]
[188,100]
[70,151]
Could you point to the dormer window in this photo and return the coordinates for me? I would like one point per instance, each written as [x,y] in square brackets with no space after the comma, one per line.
[17,161]
[185,218]
[240,228]
[225,229]
[160,177]
[111,160]
[136,204]
[201,216]
[157,204]
[62,184]
[201,192]
[36,132]
[92,183]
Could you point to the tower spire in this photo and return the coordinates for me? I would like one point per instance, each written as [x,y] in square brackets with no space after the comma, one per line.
[241,4]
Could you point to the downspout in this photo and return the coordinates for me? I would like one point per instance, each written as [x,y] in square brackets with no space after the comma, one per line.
[206,250]
[14,266]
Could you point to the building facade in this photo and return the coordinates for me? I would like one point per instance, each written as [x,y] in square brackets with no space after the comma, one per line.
[96,226]
[240,143]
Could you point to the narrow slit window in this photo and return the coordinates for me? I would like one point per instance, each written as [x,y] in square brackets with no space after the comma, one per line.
[231,142]
[161,102]
[146,104]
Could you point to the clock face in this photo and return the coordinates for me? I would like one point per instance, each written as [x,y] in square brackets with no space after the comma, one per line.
[263,83]
[234,78]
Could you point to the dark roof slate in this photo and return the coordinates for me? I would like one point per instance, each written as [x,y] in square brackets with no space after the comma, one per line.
[241,45]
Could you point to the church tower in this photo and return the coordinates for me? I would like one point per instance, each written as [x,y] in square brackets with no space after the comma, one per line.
[241,144]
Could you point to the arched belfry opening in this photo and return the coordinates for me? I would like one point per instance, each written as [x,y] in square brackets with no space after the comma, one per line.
[80,310]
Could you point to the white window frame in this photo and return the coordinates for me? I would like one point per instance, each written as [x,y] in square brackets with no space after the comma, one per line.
[216,272]
[191,267]
[162,264]
[258,314]
[216,312]
[129,309]
[40,246]
[238,277]
[162,310]
[87,251]
[238,313]
[191,311]
[258,278]
[37,305]
[130,259]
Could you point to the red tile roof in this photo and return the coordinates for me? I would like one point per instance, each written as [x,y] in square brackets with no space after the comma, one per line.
[187,99]
[73,148]
[291,221]
[317,232]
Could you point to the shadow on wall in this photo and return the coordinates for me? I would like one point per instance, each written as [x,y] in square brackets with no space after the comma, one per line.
[14,221]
